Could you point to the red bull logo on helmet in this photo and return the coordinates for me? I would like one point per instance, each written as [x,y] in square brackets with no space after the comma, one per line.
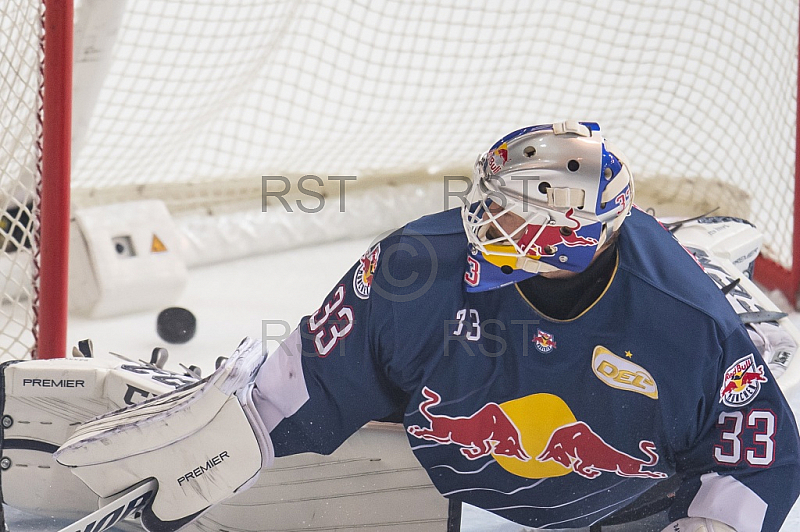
[540,426]
[498,158]
[742,382]
[548,238]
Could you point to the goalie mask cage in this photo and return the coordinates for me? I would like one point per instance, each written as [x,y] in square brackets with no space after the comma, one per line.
[193,102]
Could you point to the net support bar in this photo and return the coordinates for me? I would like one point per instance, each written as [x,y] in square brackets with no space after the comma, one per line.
[55,196]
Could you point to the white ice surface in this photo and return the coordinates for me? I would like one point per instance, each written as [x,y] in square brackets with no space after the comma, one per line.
[230,301]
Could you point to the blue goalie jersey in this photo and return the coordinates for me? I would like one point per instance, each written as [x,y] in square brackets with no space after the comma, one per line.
[549,423]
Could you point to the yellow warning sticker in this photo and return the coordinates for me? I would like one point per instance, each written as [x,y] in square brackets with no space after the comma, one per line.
[157,246]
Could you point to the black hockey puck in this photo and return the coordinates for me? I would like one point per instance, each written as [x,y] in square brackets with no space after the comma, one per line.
[176,325]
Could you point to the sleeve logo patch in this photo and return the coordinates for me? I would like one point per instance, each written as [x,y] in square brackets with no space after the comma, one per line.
[622,374]
[362,280]
[742,382]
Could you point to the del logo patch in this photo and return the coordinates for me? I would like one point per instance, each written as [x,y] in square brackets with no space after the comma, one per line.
[544,342]
[622,374]
[742,382]
[362,280]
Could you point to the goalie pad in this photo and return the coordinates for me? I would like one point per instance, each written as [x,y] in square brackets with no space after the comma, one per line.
[42,401]
[203,443]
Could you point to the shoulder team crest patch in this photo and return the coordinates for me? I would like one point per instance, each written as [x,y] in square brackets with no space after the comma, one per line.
[742,382]
[544,341]
[362,280]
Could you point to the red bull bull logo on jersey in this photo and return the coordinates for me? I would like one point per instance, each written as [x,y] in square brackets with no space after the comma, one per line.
[579,448]
[742,382]
[362,280]
[488,431]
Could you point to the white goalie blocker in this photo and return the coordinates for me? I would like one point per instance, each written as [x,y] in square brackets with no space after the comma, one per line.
[43,401]
[203,442]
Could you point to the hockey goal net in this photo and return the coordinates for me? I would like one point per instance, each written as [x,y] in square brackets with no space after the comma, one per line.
[193,102]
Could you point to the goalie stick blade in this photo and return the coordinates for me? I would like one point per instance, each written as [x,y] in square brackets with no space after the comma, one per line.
[133,499]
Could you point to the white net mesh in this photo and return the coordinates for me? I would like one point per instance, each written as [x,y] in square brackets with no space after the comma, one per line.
[202,93]
[20,133]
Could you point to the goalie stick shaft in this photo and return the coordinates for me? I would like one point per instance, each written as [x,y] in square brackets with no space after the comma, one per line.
[133,499]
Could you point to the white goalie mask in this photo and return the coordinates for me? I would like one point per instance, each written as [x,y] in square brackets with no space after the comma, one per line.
[569,189]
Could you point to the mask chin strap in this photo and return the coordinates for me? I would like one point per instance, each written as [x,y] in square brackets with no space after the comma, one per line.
[603,238]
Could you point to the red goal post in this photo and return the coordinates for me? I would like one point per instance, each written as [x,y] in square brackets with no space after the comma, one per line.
[50,329]
[192,103]
[35,131]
